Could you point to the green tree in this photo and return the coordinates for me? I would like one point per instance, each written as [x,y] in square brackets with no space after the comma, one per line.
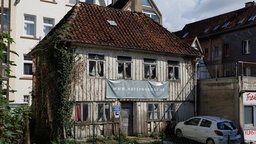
[13,121]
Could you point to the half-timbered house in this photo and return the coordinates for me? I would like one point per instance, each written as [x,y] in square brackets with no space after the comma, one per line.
[129,72]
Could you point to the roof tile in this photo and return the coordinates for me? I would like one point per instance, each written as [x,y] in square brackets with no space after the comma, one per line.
[133,30]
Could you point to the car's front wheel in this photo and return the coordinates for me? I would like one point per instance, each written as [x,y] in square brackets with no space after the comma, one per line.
[210,141]
[179,133]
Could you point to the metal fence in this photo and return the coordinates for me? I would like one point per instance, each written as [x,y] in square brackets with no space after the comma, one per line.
[240,68]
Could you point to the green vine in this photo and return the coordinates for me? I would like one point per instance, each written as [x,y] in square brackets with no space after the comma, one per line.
[52,97]
[13,121]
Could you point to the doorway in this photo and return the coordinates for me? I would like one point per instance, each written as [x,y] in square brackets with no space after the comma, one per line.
[127,118]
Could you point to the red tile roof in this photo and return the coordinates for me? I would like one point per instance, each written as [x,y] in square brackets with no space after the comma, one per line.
[89,24]
[220,24]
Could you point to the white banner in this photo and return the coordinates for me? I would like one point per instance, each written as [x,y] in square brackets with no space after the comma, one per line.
[136,89]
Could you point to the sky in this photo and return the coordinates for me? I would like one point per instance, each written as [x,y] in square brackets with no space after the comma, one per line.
[177,13]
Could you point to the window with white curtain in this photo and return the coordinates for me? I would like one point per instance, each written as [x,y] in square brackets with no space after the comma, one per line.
[173,70]
[153,111]
[103,112]
[96,65]
[149,68]
[124,67]
[48,24]
[30,25]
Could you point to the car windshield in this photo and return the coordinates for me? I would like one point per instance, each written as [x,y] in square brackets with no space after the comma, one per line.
[226,125]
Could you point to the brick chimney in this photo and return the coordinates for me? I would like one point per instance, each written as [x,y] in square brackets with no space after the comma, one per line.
[249,4]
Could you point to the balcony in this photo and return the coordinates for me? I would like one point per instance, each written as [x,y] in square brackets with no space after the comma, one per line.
[214,71]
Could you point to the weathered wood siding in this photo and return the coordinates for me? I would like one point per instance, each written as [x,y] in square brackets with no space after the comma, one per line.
[93,89]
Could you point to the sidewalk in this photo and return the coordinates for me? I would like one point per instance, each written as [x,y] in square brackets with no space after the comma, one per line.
[148,140]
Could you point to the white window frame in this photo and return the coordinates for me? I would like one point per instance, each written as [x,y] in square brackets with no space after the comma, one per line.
[169,110]
[29,22]
[253,124]
[26,98]
[154,113]
[26,61]
[246,47]
[47,25]
[81,110]
[96,70]
[175,67]
[151,73]
[125,63]
[105,117]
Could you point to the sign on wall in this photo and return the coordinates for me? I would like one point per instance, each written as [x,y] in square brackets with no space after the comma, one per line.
[136,89]
[249,98]
[250,135]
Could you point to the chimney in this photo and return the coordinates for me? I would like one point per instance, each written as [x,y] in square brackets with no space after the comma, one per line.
[249,4]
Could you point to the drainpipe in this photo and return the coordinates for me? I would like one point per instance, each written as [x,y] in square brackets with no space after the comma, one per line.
[196,65]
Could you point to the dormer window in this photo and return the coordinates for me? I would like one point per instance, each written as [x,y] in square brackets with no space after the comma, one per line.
[185,35]
[206,30]
[216,27]
[240,21]
[252,18]
[226,25]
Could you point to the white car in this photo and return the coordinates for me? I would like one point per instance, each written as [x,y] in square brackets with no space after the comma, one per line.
[208,130]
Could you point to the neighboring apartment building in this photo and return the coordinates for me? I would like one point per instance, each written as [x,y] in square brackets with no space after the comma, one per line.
[31,20]
[130,73]
[227,81]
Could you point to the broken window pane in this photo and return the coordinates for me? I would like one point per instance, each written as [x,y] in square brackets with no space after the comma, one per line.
[124,67]
[149,68]
[85,112]
[96,65]
[173,70]
[107,112]
[153,111]
[100,112]
[104,112]
[167,111]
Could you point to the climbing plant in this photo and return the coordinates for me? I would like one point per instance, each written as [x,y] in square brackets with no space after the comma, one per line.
[52,97]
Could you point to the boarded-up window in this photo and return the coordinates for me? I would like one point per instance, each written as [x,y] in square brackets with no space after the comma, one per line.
[124,67]
[96,65]
[149,68]
[153,111]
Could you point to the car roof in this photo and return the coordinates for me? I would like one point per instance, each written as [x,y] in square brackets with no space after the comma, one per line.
[214,118]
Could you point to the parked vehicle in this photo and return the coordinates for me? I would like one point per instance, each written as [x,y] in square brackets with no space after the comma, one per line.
[208,130]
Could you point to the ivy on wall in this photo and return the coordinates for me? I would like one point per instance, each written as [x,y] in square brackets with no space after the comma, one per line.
[52,97]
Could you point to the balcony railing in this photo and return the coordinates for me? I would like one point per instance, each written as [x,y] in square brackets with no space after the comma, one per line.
[240,68]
